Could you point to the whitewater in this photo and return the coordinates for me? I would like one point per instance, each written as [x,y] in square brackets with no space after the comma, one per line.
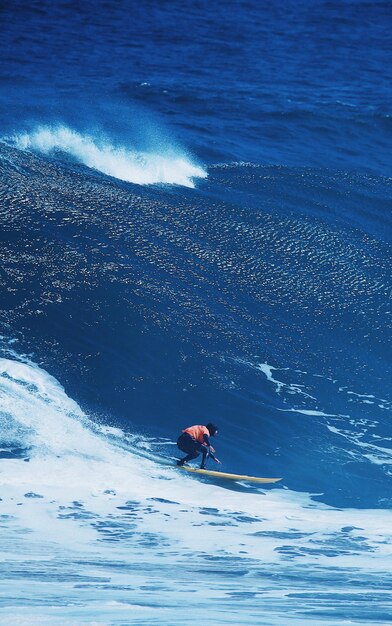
[102,530]
[97,152]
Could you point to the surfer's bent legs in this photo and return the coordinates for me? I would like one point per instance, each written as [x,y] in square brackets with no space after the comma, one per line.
[186,443]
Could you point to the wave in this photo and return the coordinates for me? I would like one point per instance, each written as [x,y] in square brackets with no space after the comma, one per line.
[98,152]
[82,510]
[70,453]
[168,292]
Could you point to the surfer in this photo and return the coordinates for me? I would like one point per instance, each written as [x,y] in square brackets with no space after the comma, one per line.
[195,440]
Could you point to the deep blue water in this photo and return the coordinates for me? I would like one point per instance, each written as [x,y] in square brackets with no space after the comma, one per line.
[195,218]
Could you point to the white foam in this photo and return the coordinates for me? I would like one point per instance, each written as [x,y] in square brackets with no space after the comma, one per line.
[366,450]
[291,388]
[144,168]
[173,525]
[376,454]
[313,413]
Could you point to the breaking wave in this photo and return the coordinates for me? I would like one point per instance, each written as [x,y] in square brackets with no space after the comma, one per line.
[143,168]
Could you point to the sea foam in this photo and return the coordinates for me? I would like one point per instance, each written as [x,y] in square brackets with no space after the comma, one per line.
[81,512]
[169,166]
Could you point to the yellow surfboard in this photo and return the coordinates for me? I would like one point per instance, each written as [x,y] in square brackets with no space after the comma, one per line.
[249,479]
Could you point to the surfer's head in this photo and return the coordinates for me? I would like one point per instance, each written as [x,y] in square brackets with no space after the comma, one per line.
[212,429]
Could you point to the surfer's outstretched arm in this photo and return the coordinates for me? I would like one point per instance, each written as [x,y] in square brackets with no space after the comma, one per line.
[210,451]
[214,458]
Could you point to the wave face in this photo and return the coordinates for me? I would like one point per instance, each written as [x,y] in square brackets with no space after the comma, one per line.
[145,289]
[157,308]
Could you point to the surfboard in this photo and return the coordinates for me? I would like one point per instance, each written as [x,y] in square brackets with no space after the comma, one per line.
[214,474]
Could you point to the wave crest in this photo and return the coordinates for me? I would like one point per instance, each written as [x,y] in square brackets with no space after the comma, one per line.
[142,168]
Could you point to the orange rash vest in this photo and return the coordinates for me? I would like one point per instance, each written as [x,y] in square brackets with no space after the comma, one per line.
[197,432]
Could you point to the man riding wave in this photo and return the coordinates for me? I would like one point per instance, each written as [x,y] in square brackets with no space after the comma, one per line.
[195,440]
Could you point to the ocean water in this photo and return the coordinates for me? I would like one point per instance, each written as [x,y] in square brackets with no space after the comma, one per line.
[195,210]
